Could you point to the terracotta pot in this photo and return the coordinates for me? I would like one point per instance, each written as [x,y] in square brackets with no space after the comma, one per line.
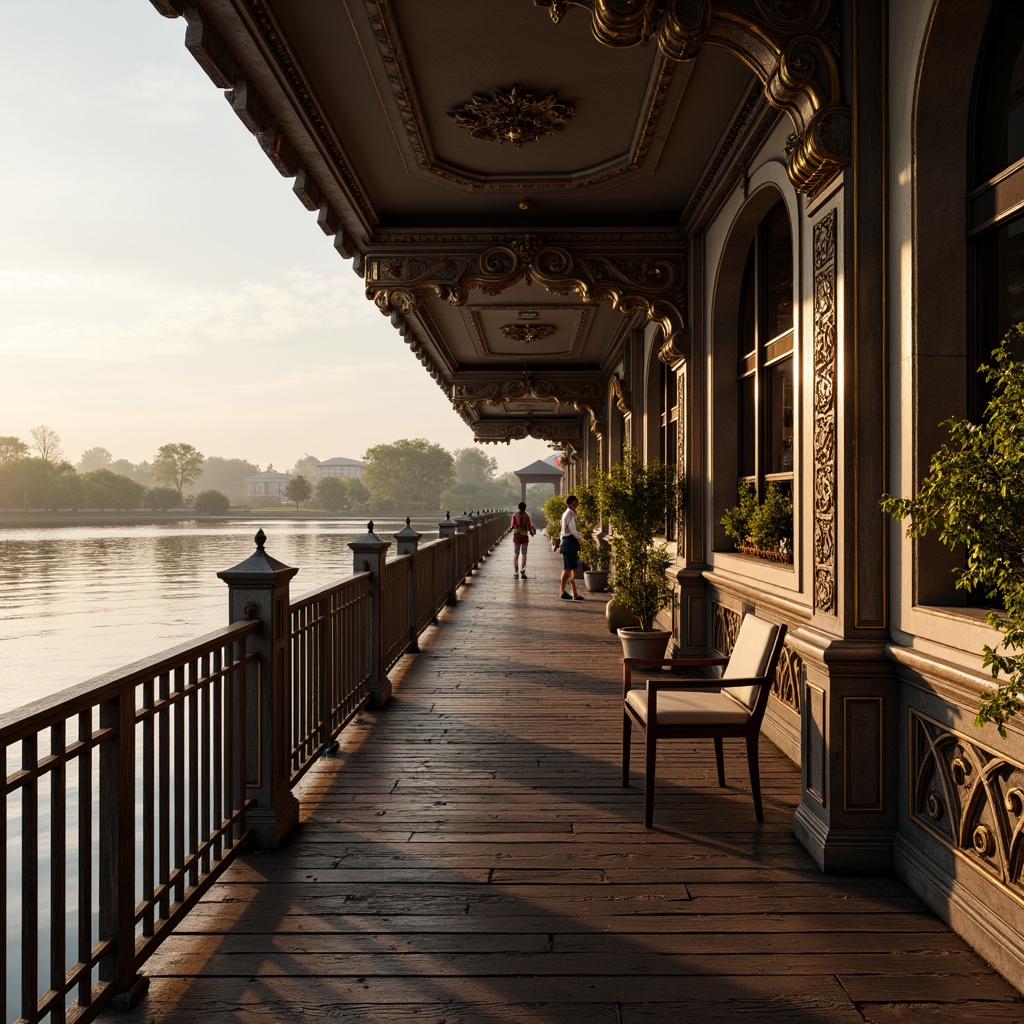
[616,616]
[639,643]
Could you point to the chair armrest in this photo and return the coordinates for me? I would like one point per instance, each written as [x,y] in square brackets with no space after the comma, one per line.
[653,685]
[628,664]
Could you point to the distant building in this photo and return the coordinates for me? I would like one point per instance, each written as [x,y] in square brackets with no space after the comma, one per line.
[352,468]
[267,485]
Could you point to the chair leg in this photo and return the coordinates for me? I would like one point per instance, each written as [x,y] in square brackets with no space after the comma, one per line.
[720,761]
[626,736]
[650,752]
[755,775]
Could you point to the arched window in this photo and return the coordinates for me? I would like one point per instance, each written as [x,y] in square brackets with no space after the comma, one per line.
[765,363]
[995,202]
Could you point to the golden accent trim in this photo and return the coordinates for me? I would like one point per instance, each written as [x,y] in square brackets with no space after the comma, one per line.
[512,115]
[792,48]
[528,332]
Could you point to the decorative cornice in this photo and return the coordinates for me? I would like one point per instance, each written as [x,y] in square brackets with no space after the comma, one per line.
[566,433]
[528,332]
[791,45]
[586,393]
[512,115]
[648,281]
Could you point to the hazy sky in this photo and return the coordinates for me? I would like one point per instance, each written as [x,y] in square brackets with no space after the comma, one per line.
[159,281]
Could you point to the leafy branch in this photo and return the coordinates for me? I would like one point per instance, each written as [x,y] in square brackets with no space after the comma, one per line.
[973,495]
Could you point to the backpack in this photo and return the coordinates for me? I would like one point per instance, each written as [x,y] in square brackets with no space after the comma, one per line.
[521,525]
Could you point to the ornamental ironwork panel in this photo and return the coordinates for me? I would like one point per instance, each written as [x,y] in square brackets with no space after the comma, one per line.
[970,798]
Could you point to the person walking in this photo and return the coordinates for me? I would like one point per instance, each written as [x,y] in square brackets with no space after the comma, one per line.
[570,548]
[522,531]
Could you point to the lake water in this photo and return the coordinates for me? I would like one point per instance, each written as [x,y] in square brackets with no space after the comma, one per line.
[76,601]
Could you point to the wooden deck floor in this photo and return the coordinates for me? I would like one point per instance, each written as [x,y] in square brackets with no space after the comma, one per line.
[470,857]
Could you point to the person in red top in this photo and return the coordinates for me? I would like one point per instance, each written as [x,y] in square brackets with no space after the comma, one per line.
[522,531]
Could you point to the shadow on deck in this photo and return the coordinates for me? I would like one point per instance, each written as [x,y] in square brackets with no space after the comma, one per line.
[470,856]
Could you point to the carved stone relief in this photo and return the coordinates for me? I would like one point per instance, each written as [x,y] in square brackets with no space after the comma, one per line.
[971,799]
[791,45]
[825,436]
[512,115]
[652,283]
[725,625]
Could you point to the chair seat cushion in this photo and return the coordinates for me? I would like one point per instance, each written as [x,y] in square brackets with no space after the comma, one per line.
[691,707]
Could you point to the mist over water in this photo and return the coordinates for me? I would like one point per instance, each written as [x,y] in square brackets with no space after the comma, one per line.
[77,601]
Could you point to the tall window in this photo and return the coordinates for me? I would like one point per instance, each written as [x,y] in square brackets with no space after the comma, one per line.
[996,201]
[765,366]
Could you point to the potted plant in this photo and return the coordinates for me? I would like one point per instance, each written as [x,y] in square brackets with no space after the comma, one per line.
[763,529]
[552,510]
[639,497]
[595,551]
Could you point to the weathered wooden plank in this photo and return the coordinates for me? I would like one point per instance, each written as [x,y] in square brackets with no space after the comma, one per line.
[469,856]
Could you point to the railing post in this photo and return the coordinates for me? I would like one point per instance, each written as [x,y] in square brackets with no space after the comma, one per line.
[464,527]
[408,543]
[446,531]
[368,555]
[479,544]
[258,588]
[117,833]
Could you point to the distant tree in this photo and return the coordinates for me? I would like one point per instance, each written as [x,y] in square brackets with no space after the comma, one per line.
[476,485]
[408,475]
[358,495]
[160,499]
[46,441]
[94,458]
[473,467]
[211,503]
[306,466]
[332,494]
[37,483]
[298,489]
[176,465]
[65,488]
[103,489]
[142,473]
[11,449]
[226,475]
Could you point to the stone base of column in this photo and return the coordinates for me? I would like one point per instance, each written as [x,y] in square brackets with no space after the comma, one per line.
[835,851]
[271,825]
[380,693]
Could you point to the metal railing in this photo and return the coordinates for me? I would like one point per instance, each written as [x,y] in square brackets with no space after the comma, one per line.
[331,661]
[128,795]
[124,799]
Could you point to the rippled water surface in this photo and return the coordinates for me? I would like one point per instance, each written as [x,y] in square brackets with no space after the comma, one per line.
[77,601]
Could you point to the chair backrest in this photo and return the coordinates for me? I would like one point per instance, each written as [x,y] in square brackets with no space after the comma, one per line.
[750,657]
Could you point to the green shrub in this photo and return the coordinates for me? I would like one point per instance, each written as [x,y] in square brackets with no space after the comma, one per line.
[973,495]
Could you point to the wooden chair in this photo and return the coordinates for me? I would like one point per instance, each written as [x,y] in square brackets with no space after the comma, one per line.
[669,707]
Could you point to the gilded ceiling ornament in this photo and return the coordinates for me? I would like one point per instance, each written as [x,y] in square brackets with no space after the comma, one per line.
[528,332]
[793,46]
[512,115]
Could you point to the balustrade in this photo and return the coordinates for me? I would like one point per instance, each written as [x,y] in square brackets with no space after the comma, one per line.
[127,796]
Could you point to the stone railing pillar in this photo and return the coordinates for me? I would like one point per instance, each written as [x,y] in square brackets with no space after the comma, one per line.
[463,527]
[368,555]
[258,588]
[408,543]
[446,531]
[479,540]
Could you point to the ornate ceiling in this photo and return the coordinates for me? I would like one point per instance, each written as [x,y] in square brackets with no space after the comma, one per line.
[514,179]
